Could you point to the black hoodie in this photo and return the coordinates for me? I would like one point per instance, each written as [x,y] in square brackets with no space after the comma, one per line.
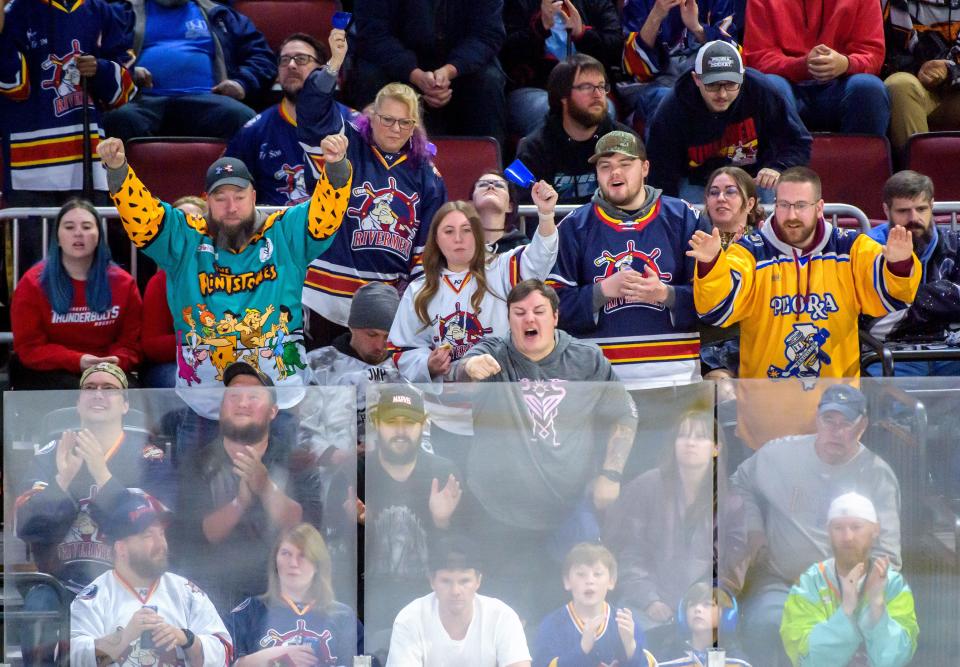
[687,140]
[550,154]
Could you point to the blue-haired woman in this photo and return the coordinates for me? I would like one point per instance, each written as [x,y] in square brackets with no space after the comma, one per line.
[74,309]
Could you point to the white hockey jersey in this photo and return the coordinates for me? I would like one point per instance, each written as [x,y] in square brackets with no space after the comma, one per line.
[109,602]
[453,320]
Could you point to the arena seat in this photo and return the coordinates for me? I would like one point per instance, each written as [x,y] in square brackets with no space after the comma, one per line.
[461,160]
[853,169]
[278,18]
[172,167]
[937,155]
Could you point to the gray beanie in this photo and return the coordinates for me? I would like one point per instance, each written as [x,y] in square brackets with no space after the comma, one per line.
[373,307]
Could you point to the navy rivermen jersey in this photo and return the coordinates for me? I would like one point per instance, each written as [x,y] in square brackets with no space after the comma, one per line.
[798,314]
[391,205]
[558,642]
[335,635]
[60,527]
[41,100]
[645,343]
[226,305]
[268,145]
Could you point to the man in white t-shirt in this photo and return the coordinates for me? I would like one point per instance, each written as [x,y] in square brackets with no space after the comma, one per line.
[453,626]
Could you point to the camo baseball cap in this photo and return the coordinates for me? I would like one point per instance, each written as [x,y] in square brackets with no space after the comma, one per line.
[619,141]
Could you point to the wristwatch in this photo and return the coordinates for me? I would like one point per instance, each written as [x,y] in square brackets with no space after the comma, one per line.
[190,638]
[612,475]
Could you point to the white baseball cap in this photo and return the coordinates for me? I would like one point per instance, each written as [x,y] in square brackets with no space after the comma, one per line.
[852,505]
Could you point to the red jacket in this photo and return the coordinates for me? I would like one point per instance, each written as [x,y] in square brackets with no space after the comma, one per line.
[46,341]
[780,34]
[159,340]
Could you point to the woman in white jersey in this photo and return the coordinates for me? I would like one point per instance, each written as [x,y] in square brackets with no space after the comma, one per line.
[462,295]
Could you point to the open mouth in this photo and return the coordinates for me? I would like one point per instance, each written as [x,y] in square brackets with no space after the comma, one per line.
[530,334]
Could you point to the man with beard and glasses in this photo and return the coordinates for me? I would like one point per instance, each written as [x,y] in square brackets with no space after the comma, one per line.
[234,259]
[200,67]
[908,203]
[850,609]
[558,152]
[138,613]
[411,500]
[240,492]
[798,287]
[268,142]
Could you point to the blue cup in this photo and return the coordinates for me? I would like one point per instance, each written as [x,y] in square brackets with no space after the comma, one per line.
[518,173]
[341,20]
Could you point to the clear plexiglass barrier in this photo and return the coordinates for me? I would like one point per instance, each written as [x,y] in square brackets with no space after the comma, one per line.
[553,523]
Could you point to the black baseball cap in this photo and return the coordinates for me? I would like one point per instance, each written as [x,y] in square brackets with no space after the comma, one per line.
[719,61]
[228,171]
[400,400]
[846,400]
[238,368]
[134,513]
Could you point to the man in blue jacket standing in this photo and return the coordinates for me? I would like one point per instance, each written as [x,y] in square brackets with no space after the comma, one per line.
[446,50]
[720,115]
[197,61]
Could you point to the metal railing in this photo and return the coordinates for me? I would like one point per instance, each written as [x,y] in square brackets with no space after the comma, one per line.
[832,211]
[951,208]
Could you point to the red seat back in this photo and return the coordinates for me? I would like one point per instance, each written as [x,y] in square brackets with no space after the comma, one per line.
[937,154]
[462,160]
[278,18]
[172,168]
[853,169]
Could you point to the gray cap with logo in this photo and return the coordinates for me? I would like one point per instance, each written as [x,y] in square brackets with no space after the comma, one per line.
[228,171]
[719,61]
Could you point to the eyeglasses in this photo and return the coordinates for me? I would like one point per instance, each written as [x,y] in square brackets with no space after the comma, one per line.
[729,86]
[390,121]
[105,389]
[301,59]
[587,88]
[729,192]
[491,183]
[799,207]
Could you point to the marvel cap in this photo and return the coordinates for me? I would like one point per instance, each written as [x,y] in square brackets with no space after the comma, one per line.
[844,399]
[619,141]
[238,368]
[105,367]
[373,307]
[134,513]
[400,401]
[228,171]
[719,61]
[852,505]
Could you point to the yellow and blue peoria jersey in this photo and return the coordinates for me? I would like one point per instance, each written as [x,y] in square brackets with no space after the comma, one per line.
[798,312]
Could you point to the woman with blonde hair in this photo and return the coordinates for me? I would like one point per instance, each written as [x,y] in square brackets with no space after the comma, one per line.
[462,295]
[396,191]
[297,621]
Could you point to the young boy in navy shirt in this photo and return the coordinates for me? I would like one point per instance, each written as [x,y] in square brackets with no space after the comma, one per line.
[587,630]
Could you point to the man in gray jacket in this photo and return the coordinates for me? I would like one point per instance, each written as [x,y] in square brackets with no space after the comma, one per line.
[538,459]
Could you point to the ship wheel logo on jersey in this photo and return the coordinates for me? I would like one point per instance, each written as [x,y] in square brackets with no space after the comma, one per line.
[385,219]
[543,399]
[630,259]
[461,330]
[64,80]
[803,348]
[294,186]
[301,636]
